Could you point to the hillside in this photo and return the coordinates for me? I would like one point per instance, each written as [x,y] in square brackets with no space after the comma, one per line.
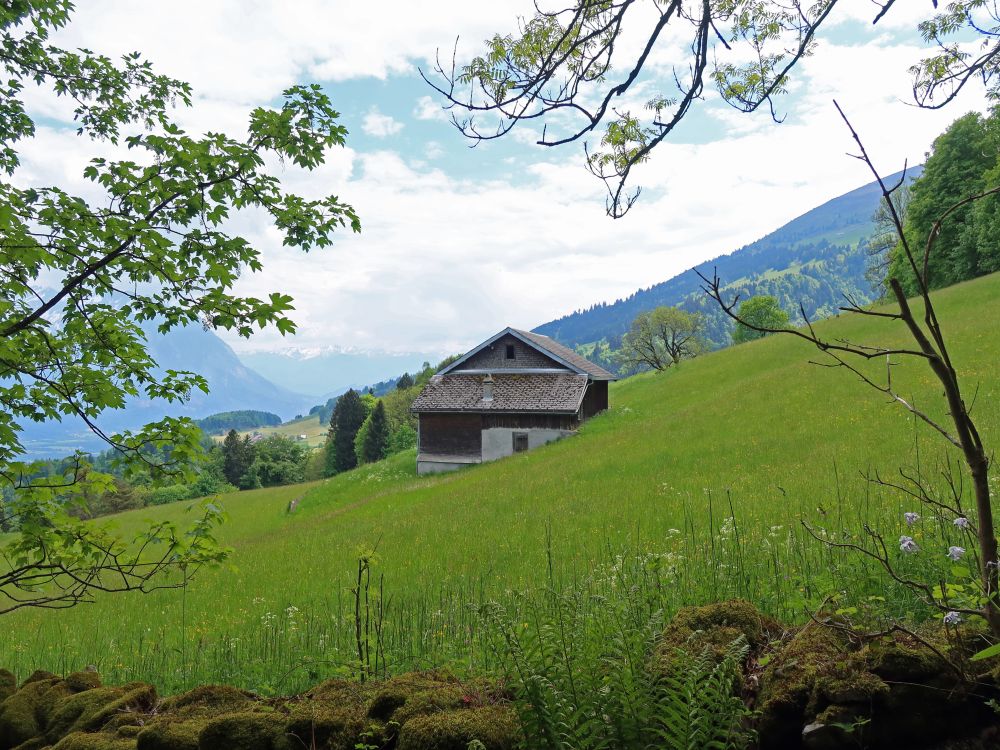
[700,476]
[814,259]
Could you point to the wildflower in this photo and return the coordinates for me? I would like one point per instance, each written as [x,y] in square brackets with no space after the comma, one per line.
[952,618]
[906,544]
[962,522]
[955,553]
[911,518]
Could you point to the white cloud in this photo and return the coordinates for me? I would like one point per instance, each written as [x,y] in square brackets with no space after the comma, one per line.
[430,109]
[379,125]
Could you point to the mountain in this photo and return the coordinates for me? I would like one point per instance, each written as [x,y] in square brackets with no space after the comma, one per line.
[330,372]
[813,260]
[232,386]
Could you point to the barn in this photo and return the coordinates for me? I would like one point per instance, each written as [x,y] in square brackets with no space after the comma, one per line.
[515,391]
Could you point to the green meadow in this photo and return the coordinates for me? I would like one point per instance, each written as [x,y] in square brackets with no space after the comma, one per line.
[694,486]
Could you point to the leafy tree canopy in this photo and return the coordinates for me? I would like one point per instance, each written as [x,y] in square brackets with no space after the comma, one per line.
[763,312]
[148,241]
[661,338]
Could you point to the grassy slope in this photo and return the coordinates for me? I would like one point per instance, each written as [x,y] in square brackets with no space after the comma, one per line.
[756,421]
[309,426]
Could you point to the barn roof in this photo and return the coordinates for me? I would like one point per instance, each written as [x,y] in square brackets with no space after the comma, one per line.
[517,393]
[561,354]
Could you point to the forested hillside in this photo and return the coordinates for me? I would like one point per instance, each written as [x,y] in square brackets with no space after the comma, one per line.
[814,260]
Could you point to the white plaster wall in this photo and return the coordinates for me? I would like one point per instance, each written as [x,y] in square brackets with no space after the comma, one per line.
[499,441]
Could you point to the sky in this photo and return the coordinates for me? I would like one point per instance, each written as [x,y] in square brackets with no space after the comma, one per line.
[459,242]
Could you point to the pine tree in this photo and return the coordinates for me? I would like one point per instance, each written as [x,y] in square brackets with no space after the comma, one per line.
[376,445]
[405,381]
[350,414]
[330,457]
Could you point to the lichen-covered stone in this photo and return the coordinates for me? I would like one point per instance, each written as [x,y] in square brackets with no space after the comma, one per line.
[496,727]
[8,685]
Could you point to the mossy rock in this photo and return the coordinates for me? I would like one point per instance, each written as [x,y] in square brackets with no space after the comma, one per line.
[80,681]
[496,727]
[208,698]
[39,675]
[247,731]
[713,627]
[94,741]
[8,685]
[326,726]
[394,693]
[37,743]
[137,698]
[164,734]
[76,712]
[22,715]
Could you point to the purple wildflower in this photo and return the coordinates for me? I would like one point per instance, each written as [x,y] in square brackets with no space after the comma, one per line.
[955,553]
[952,618]
[911,518]
[906,544]
[962,522]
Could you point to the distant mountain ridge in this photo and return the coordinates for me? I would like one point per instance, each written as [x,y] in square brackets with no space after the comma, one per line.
[233,387]
[813,260]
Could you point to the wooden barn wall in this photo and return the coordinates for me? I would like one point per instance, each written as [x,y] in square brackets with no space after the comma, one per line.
[528,421]
[495,358]
[451,434]
[596,398]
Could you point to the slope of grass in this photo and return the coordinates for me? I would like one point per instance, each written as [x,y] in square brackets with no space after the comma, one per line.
[315,433]
[702,474]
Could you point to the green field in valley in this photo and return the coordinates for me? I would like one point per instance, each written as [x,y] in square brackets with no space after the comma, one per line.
[695,482]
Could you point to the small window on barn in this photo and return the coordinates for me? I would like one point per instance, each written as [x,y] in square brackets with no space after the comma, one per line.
[520,442]
[510,351]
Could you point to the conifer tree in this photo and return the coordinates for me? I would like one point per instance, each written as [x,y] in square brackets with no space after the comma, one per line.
[237,455]
[350,415]
[376,445]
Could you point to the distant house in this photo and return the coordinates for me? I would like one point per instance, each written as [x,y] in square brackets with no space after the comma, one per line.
[515,391]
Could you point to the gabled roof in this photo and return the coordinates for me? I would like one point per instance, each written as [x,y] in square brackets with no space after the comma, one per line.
[556,351]
[560,393]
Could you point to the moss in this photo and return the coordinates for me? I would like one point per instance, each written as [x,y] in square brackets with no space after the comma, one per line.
[713,627]
[165,734]
[136,697]
[494,726]
[39,675]
[246,731]
[38,743]
[216,698]
[22,715]
[336,728]
[96,741]
[128,730]
[8,685]
[80,681]
[76,712]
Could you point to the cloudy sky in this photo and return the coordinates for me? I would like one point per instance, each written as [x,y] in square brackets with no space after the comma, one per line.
[458,242]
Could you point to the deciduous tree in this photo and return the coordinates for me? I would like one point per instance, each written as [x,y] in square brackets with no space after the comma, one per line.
[757,316]
[79,273]
[661,338]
